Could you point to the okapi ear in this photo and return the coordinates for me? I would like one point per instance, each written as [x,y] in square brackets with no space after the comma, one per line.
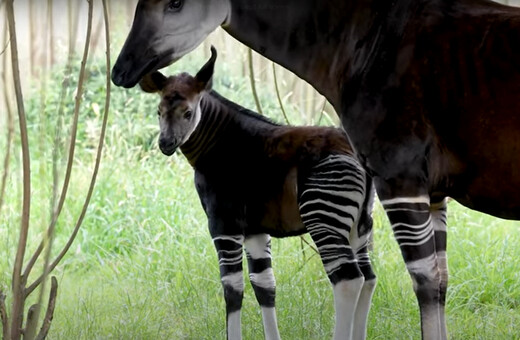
[153,82]
[205,74]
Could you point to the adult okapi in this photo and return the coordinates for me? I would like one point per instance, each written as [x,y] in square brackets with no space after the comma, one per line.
[428,91]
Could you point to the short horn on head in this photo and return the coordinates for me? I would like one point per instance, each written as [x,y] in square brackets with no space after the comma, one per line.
[205,74]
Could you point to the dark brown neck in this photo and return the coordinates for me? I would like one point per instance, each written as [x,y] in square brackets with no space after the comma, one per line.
[223,126]
[314,39]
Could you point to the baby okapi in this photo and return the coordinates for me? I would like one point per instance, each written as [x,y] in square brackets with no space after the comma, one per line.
[258,179]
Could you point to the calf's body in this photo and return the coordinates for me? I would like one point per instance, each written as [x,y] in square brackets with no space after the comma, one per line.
[258,179]
[262,190]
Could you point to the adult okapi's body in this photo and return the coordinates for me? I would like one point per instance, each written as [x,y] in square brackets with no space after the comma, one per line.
[427,90]
[256,179]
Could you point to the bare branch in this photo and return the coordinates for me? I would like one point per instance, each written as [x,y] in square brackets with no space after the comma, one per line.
[47,241]
[18,296]
[96,34]
[280,102]
[97,162]
[5,48]
[32,322]
[303,249]
[309,245]
[72,148]
[44,330]
[50,20]
[32,38]
[6,41]
[10,130]
[322,110]
[252,80]
[73,19]
[3,316]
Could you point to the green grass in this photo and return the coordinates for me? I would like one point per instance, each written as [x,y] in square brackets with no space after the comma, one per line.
[167,286]
[143,265]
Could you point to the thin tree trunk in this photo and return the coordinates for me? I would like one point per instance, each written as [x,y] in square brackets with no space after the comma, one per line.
[72,148]
[55,209]
[252,80]
[10,127]
[98,156]
[280,102]
[49,314]
[17,280]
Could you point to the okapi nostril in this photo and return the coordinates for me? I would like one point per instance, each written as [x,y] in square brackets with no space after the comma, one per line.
[167,146]
[166,142]
[118,75]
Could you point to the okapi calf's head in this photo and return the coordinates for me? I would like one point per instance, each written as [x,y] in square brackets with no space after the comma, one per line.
[179,110]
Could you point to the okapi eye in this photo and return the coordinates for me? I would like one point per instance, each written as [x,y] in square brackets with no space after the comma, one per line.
[188,114]
[175,5]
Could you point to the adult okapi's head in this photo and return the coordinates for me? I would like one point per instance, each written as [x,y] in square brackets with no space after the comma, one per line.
[179,110]
[162,32]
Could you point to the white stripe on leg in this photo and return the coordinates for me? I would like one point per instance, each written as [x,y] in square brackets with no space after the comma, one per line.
[234,331]
[270,324]
[427,269]
[346,296]
[264,279]
[362,310]
[399,200]
[258,249]
[442,260]
[234,280]
[257,246]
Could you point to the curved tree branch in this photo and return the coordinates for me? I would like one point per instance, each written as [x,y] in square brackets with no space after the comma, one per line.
[10,130]
[44,330]
[252,80]
[72,147]
[29,331]
[97,162]
[322,110]
[280,102]
[17,280]
[5,47]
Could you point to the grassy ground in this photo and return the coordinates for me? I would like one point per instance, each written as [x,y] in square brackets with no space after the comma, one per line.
[167,287]
[144,267]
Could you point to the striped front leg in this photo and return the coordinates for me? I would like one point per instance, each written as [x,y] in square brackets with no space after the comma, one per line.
[258,250]
[331,197]
[439,220]
[229,250]
[413,227]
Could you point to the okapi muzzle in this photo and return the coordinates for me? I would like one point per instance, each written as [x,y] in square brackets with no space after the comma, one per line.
[150,45]
[168,145]
[141,53]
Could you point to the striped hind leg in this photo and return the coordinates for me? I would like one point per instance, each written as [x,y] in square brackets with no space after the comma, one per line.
[229,251]
[258,251]
[365,296]
[361,243]
[413,226]
[330,200]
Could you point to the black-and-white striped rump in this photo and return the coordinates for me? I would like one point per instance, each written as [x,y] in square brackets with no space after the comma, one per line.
[331,200]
